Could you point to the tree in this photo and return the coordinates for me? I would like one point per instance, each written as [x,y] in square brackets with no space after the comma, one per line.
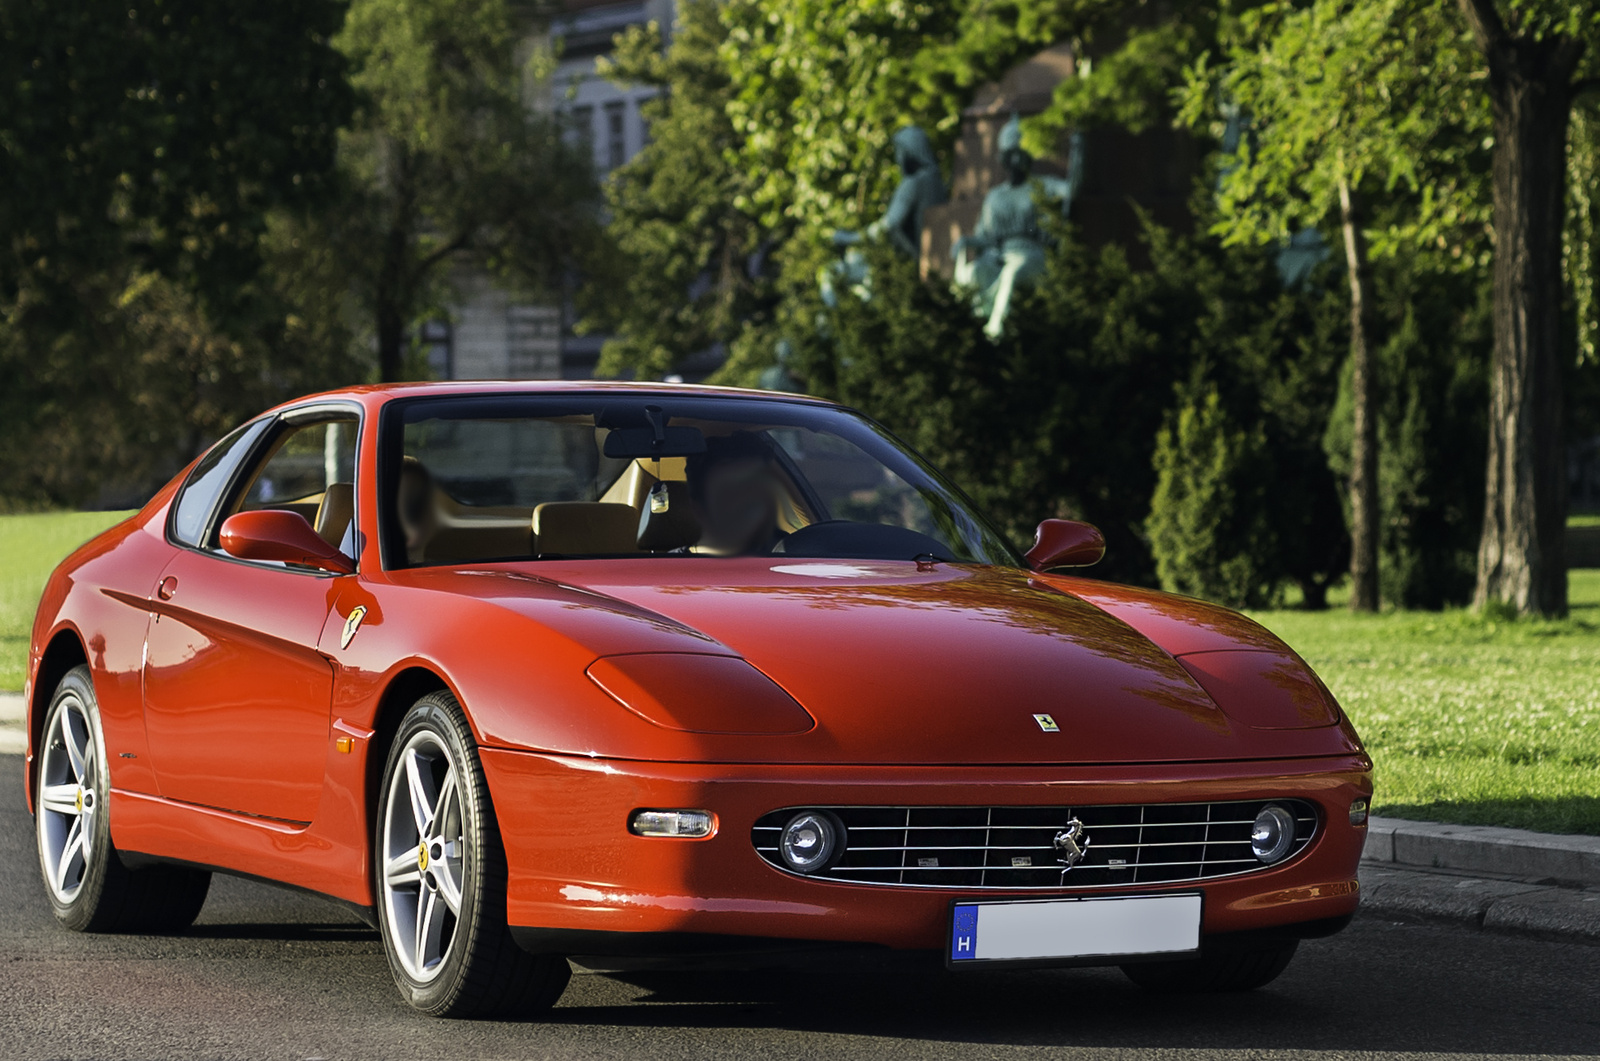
[154,154]
[690,258]
[1541,56]
[1350,102]
[1207,523]
[445,163]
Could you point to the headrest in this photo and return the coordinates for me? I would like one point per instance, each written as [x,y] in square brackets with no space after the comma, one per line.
[668,526]
[334,513]
[575,528]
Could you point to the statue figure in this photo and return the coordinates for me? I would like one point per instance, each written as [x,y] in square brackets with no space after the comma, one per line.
[1007,247]
[920,187]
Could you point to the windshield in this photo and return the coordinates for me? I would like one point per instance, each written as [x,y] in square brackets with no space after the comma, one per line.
[544,477]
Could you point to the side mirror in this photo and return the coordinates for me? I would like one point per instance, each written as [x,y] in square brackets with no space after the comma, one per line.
[274,534]
[1065,543]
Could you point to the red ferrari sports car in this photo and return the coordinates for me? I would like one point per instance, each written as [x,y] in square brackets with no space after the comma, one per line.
[521,671]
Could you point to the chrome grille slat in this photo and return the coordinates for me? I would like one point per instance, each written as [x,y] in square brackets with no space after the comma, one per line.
[974,846]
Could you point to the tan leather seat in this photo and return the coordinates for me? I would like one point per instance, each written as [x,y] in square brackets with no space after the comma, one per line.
[334,513]
[578,528]
[674,527]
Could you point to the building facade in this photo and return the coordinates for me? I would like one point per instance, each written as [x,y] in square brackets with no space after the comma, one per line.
[492,333]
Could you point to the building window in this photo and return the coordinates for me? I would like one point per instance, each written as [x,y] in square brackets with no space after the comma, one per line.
[616,134]
[582,128]
[438,342]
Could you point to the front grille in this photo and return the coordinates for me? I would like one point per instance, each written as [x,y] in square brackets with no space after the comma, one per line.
[1012,847]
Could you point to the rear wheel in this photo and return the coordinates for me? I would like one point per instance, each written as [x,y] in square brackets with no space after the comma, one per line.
[89,887]
[442,878]
[1222,968]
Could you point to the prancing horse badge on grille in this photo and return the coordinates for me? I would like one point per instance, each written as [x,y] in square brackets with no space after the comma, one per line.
[1071,845]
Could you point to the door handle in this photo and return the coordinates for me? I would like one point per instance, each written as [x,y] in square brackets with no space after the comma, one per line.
[168,587]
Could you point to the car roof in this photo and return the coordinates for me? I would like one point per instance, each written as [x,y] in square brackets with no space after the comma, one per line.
[377,394]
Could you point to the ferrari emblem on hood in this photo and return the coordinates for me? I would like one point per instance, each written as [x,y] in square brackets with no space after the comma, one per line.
[351,624]
[1047,723]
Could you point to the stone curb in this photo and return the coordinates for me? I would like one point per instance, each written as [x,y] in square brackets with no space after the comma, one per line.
[1541,857]
[1568,914]
[13,717]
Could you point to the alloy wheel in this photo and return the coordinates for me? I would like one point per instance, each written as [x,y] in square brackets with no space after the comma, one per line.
[68,799]
[424,855]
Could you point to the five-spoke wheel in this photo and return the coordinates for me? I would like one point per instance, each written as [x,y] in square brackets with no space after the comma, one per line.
[69,793]
[423,848]
[90,888]
[442,877]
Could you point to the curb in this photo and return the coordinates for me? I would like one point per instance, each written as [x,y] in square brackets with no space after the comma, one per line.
[1499,880]
[1541,857]
[13,719]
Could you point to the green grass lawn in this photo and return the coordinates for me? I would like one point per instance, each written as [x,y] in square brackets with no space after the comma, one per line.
[1469,720]
[30,548]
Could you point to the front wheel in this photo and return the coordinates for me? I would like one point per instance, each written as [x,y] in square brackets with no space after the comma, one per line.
[1221,969]
[442,878]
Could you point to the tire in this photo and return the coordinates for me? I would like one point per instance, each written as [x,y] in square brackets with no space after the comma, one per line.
[1222,969]
[441,878]
[89,888]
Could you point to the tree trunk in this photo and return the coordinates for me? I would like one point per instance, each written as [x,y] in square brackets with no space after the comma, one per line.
[391,342]
[1364,438]
[1521,556]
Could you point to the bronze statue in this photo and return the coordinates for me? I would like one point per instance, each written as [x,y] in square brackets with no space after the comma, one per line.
[1007,247]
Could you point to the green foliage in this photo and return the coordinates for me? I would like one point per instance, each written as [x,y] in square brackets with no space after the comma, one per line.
[1375,94]
[445,162]
[1060,416]
[688,255]
[1207,522]
[161,129]
[157,153]
[1433,376]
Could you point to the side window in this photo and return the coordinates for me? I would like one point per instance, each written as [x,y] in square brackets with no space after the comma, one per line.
[310,468]
[198,498]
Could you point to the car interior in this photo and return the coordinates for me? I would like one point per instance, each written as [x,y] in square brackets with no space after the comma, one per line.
[645,510]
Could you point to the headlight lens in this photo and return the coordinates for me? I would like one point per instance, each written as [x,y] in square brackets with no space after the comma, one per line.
[1358,812]
[810,841]
[1273,834]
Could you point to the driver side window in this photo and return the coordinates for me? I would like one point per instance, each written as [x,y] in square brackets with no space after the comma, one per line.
[308,469]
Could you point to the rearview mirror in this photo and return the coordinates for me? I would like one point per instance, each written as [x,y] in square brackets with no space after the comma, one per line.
[274,534]
[1066,543]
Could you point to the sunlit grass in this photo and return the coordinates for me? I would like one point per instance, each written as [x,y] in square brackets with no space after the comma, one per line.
[1468,719]
[30,548]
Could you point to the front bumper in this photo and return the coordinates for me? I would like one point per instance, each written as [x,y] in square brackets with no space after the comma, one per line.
[579,882]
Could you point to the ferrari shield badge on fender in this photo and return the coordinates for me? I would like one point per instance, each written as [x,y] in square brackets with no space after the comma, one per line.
[352,623]
[1047,723]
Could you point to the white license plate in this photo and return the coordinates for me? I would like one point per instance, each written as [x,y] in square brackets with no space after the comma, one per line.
[1073,929]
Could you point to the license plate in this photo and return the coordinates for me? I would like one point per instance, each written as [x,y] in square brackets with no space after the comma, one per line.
[1043,930]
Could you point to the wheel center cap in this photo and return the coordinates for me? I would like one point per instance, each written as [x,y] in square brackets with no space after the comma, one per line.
[80,801]
[422,856]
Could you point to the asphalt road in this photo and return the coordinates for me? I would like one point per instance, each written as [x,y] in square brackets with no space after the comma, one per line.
[273,974]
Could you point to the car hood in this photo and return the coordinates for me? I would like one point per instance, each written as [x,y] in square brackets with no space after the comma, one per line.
[939,664]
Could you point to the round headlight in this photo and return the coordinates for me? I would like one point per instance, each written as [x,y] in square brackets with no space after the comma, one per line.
[1272,835]
[810,840]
